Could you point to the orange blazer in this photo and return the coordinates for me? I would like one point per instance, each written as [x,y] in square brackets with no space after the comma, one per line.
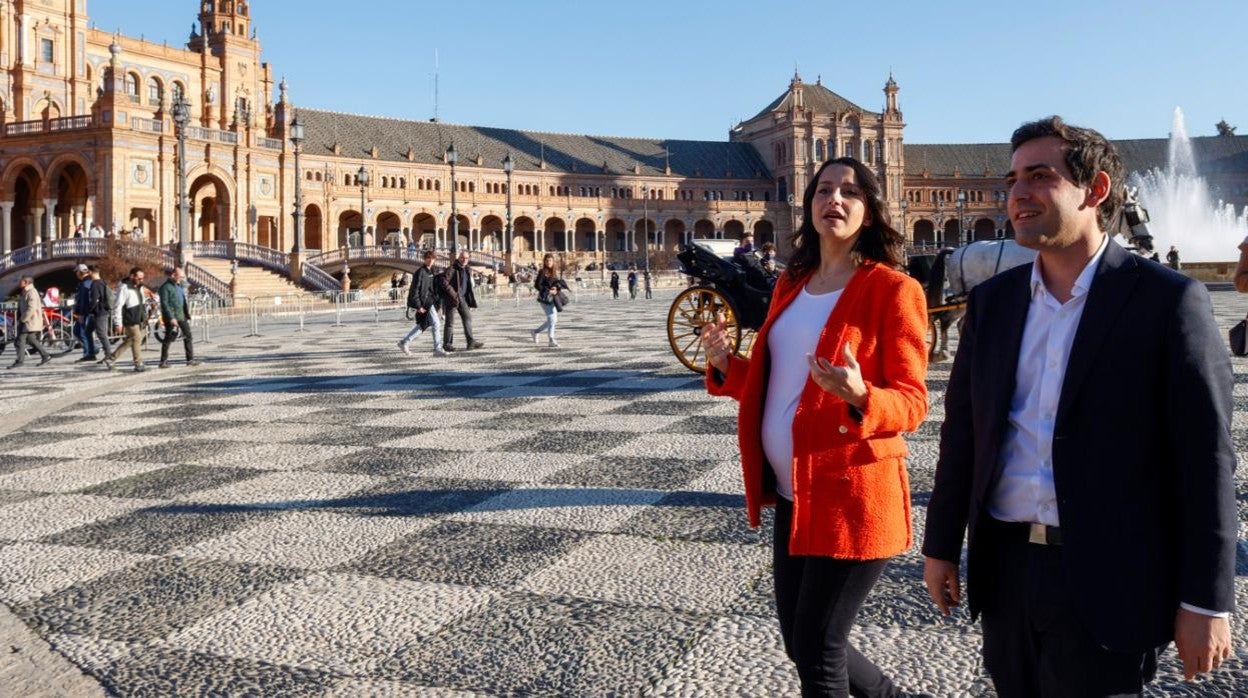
[851,494]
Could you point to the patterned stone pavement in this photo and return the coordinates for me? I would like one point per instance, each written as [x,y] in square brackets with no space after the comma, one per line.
[318,515]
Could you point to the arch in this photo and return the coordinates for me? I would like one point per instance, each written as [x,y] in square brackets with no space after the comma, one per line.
[616,235]
[924,232]
[211,196]
[764,231]
[69,184]
[951,232]
[462,232]
[673,234]
[985,229]
[703,230]
[587,234]
[645,232]
[350,228]
[491,234]
[26,184]
[555,238]
[1009,230]
[131,86]
[389,230]
[177,91]
[734,230]
[155,91]
[312,222]
[425,231]
[819,152]
[523,235]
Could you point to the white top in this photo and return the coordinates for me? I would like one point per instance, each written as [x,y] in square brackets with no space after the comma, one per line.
[1025,491]
[127,297]
[794,335]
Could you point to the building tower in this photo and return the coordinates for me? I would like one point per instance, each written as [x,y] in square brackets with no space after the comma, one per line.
[893,174]
[42,50]
[236,83]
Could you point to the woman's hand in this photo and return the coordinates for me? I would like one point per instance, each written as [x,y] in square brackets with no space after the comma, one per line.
[844,382]
[715,342]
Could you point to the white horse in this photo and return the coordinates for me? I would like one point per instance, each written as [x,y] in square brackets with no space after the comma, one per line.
[972,264]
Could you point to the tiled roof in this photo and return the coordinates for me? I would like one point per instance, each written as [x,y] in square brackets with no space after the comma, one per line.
[563,153]
[1213,154]
[815,97]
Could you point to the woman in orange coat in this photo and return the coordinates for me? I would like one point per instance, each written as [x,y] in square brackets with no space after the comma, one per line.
[835,378]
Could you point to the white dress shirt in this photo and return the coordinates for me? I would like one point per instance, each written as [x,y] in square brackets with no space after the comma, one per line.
[794,335]
[1025,491]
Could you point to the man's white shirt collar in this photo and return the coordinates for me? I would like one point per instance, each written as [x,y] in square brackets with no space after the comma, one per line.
[1082,283]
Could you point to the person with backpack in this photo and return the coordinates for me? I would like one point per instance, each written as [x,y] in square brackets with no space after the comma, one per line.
[422,298]
[99,307]
[549,287]
[632,284]
[82,319]
[130,316]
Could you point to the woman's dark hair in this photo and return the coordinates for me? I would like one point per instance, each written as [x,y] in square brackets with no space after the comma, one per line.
[548,272]
[878,241]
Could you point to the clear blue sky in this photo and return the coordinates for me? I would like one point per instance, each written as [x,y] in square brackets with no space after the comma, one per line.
[969,71]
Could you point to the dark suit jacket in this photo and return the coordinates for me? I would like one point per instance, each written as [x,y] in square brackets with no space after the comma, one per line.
[1142,452]
[461,278]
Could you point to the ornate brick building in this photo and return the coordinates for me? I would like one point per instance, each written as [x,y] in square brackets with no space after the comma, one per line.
[87,135]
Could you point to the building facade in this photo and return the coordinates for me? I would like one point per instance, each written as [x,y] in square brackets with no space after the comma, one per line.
[87,136]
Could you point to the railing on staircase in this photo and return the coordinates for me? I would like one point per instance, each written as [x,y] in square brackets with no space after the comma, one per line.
[208,281]
[318,278]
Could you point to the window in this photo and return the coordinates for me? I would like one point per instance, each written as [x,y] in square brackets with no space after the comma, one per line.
[179,92]
[132,85]
[155,92]
[47,51]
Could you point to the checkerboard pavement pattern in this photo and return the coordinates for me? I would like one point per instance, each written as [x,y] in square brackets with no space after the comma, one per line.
[320,515]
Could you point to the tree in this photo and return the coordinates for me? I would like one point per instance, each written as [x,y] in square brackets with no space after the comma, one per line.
[1225,129]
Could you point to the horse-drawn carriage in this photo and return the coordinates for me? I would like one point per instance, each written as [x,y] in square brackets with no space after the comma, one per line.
[742,293]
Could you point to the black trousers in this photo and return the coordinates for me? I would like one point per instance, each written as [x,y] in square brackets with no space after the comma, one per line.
[1035,645]
[465,316]
[817,600]
[184,326]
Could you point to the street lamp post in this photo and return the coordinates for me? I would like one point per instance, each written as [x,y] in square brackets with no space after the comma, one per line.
[296,140]
[452,157]
[508,166]
[940,223]
[182,117]
[961,205]
[1002,199]
[362,175]
[645,220]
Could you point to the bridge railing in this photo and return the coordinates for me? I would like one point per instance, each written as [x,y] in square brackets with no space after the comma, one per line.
[206,280]
[211,248]
[264,256]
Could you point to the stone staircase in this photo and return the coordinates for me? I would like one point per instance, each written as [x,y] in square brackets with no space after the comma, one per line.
[252,281]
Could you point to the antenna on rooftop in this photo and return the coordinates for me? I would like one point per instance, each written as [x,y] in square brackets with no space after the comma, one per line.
[435,84]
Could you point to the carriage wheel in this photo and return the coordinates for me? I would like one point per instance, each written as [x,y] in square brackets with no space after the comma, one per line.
[692,309]
[933,334]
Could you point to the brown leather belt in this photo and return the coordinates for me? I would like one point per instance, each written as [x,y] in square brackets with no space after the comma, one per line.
[1036,533]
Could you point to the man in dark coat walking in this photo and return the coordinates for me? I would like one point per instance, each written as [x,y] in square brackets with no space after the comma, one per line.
[463,301]
[175,312]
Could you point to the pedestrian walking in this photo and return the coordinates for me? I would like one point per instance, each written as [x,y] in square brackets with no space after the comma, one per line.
[83,320]
[632,284]
[615,285]
[130,316]
[1172,258]
[550,296]
[176,312]
[99,310]
[422,297]
[30,322]
[464,300]
[835,378]
[1087,552]
[646,283]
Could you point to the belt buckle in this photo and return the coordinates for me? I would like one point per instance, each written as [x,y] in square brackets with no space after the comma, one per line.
[1039,534]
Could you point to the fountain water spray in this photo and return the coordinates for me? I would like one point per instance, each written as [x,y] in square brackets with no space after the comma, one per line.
[1182,207]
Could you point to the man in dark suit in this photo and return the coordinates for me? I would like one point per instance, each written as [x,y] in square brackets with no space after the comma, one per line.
[465,299]
[1086,448]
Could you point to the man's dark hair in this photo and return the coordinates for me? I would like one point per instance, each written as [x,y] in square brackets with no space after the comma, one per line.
[877,242]
[1086,153]
[93,268]
[135,270]
[429,254]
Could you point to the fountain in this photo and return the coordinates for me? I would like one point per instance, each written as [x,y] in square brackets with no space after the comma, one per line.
[1183,210]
